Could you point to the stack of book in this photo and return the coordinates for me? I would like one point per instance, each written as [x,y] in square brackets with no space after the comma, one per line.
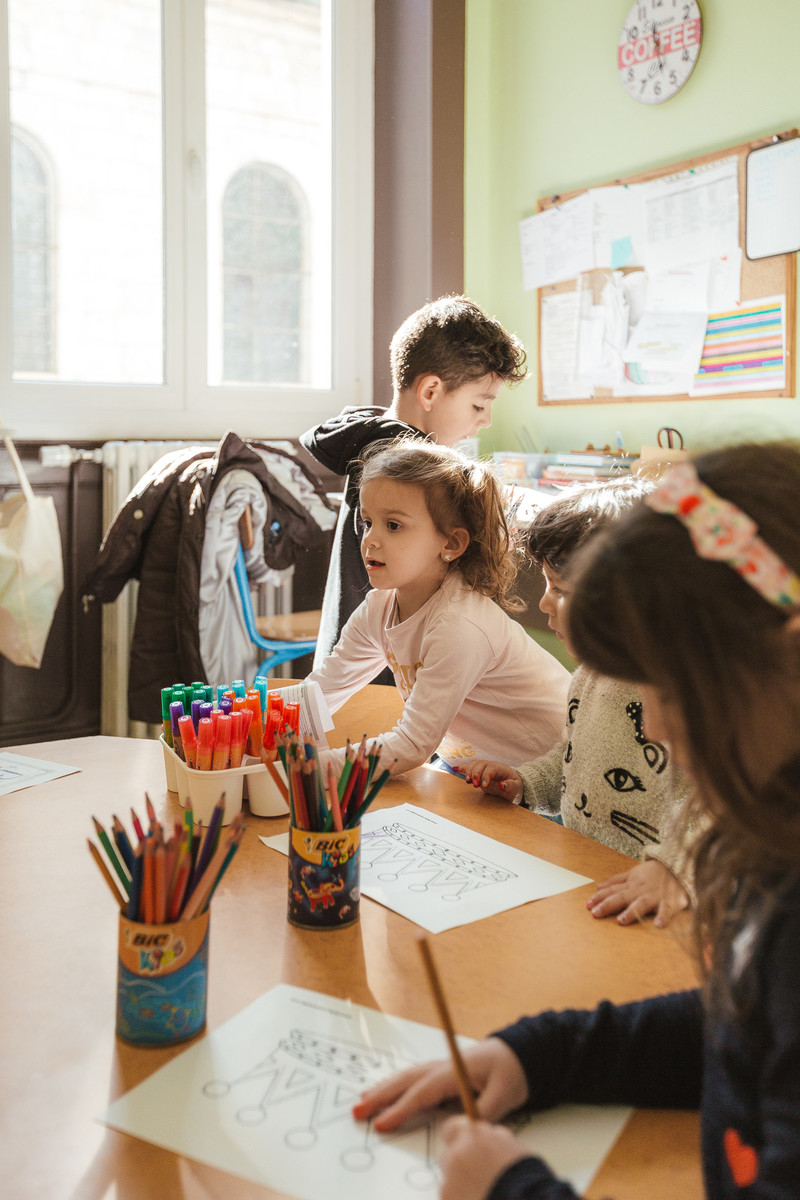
[580,467]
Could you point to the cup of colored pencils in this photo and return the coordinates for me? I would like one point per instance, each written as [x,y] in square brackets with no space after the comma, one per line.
[325,830]
[162,881]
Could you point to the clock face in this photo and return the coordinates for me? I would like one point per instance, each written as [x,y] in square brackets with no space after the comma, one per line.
[658,48]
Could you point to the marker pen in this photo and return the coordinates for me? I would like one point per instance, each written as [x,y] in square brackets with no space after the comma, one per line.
[175,714]
[222,743]
[166,699]
[189,740]
[260,686]
[205,744]
[237,740]
[253,702]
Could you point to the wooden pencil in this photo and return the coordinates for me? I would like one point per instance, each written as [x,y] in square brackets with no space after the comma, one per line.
[112,887]
[160,885]
[113,857]
[464,1085]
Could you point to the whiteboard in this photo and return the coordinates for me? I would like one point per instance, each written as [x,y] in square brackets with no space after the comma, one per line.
[773,199]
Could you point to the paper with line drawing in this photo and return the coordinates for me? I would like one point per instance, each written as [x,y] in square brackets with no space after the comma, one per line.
[441,875]
[269,1095]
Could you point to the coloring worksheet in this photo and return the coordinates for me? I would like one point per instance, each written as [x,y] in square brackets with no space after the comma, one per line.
[441,875]
[18,771]
[269,1095]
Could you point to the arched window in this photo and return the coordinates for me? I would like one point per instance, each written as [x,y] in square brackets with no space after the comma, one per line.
[32,270]
[264,246]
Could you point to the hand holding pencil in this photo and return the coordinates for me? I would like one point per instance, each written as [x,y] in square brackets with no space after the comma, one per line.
[488,1077]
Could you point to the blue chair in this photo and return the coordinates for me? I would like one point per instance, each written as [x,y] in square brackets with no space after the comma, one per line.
[277,651]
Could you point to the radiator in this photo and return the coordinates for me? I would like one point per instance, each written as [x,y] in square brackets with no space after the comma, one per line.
[123,464]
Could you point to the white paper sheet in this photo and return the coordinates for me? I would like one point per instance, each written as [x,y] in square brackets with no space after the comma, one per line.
[315,716]
[441,875]
[269,1095]
[617,226]
[668,342]
[560,347]
[679,289]
[691,216]
[18,771]
[557,244]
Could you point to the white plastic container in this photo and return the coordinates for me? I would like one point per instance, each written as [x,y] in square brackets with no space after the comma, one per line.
[252,780]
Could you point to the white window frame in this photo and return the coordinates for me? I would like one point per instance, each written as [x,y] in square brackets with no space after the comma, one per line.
[185,407]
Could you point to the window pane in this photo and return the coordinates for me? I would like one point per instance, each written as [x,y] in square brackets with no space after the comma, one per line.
[86,190]
[268,186]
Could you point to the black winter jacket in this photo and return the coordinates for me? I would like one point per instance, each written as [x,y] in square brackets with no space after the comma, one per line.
[157,537]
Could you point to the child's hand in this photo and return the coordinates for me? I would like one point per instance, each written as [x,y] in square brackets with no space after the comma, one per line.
[494,778]
[492,1067]
[475,1154]
[648,887]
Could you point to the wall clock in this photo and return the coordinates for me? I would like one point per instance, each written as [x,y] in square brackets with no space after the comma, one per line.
[658,48]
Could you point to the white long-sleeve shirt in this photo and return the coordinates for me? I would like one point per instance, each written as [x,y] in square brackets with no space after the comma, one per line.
[475,685]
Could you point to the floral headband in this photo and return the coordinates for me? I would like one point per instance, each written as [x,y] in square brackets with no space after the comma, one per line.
[722,532]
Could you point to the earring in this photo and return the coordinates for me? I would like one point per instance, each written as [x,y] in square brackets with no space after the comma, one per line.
[447,557]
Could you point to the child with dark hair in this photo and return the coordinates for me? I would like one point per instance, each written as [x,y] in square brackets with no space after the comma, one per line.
[449,361]
[695,597]
[442,567]
[605,778]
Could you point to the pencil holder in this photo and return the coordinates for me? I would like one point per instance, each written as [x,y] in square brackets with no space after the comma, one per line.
[324,877]
[251,779]
[162,981]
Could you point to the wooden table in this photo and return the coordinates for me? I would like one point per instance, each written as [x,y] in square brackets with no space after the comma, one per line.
[62,1065]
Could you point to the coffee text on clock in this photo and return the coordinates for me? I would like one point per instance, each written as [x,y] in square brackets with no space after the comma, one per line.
[676,37]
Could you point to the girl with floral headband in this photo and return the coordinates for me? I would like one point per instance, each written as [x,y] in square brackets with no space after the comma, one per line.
[696,598]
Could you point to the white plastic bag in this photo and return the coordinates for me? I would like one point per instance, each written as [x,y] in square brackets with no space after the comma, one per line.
[31,570]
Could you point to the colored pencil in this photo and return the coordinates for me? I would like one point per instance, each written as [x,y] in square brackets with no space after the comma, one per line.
[206,881]
[137,825]
[334,795]
[151,812]
[148,882]
[353,777]
[122,843]
[355,818]
[179,888]
[464,1085]
[349,757]
[207,848]
[112,887]
[113,857]
[226,863]
[134,900]
[159,886]
[281,786]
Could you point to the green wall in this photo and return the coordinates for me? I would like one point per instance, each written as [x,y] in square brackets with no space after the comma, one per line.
[546,113]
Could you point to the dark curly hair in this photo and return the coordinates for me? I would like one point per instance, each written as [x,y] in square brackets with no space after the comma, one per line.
[454,339]
[558,529]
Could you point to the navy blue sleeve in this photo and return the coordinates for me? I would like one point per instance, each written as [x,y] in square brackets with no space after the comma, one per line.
[648,1054]
[530,1179]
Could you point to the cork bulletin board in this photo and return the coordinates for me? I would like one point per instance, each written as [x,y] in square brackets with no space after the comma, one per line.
[766,277]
